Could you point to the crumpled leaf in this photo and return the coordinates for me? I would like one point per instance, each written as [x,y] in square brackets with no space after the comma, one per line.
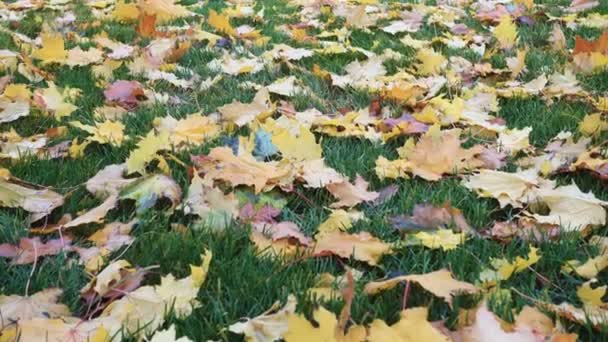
[570,207]
[426,216]
[211,204]
[508,188]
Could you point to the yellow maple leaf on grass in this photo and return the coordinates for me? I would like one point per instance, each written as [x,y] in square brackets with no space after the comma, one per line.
[147,151]
[52,50]
[502,269]
[221,23]
[506,32]
[107,132]
[54,100]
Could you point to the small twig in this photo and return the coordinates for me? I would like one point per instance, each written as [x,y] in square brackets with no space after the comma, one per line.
[306,199]
[27,285]
[545,279]
[406,293]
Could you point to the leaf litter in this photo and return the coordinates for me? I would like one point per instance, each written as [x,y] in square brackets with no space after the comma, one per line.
[435,112]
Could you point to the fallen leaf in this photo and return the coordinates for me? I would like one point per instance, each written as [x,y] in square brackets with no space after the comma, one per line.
[440,283]
[351,194]
[43,304]
[361,246]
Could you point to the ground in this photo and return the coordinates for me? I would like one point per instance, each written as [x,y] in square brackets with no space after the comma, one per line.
[241,283]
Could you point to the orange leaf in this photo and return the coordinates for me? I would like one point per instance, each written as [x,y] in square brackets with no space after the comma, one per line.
[147,25]
[585,46]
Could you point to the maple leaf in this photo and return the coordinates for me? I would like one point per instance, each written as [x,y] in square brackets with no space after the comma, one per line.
[302,146]
[125,12]
[34,199]
[78,57]
[590,55]
[412,326]
[591,296]
[147,151]
[53,99]
[242,114]
[508,188]
[426,216]
[222,164]
[30,249]
[431,62]
[107,132]
[340,220]
[164,10]
[192,130]
[53,49]
[13,110]
[441,283]
[351,194]
[221,23]
[436,153]
[361,246]
[570,207]
[147,190]
[506,32]
[43,304]
[211,204]
[268,326]
[126,94]
[317,174]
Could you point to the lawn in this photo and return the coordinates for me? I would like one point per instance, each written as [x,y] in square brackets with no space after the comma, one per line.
[188,178]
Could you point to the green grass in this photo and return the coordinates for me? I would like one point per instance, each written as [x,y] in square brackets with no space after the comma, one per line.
[241,283]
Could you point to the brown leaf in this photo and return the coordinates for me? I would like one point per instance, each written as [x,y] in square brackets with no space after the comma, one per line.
[126,94]
[361,246]
[426,216]
[351,194]
[30,249]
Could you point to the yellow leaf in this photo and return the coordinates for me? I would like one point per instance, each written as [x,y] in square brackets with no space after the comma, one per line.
[441,283]
[591,296]
[53,49]
[125,12]
[593,124]
[299,329]
[108,132]
[297,147]
[221,23]
[413,326]
[147,150]
[445,239]
[339,220]
[431,62]
[506,32]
